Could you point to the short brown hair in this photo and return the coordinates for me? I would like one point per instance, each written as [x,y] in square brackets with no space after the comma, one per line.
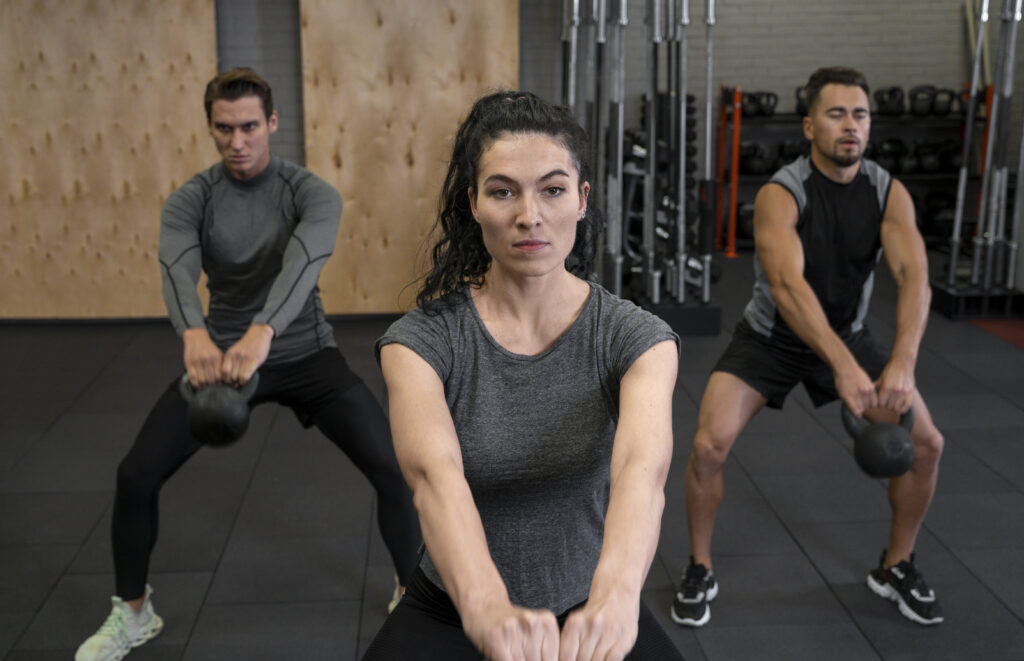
[833,75]
[234,84]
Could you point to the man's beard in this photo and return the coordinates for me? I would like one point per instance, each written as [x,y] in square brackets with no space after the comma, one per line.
[843,160]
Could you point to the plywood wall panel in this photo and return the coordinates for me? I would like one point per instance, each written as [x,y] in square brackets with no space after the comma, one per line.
[102,120]
[386,84]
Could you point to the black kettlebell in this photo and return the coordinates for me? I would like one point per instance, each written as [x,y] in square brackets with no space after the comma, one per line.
[889,101]
[767,101]
[944,102]
[928,154]
[921,98]
[751,104]
[881,449]
[218,414]
[801,101]
[753,158]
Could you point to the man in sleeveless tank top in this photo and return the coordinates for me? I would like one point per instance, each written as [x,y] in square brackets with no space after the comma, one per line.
[821,225]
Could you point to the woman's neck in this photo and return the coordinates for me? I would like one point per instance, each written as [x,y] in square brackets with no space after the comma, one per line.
[526,315]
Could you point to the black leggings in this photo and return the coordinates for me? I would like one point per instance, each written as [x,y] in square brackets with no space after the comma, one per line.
[322,391]
[426,627]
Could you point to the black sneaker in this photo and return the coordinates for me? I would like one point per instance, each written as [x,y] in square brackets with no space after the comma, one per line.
[691,605]
[903,584]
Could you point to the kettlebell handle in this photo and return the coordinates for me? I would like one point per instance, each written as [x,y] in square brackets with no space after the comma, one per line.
[188,391]
[856,426]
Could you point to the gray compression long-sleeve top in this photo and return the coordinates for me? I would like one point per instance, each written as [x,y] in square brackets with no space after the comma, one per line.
[262,243]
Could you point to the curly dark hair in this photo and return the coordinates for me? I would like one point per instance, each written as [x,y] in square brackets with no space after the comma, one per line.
[459,257]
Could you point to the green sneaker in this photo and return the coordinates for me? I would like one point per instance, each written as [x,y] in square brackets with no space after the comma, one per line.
[122,630]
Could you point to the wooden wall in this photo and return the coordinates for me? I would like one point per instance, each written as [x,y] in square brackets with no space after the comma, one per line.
[102,119]
[386,84]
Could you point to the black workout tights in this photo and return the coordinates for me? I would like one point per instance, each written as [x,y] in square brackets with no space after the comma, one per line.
[426,627]
[322,392]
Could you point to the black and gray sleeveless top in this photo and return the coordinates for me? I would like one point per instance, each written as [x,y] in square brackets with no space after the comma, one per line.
[840,230]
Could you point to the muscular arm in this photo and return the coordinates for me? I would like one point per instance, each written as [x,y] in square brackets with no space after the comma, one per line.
[431,460]
[782,258]
[607,626]
[905,254]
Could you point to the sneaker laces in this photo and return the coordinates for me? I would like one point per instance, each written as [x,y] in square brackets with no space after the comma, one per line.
[114,626]
[912,580]
[695,581]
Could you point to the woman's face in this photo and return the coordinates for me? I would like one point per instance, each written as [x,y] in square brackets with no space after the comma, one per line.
[528,200]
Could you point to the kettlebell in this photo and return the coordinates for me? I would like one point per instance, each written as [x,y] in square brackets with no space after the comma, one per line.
[921,99]
[881,449]
[766,102]
[801,101]
[218,414]
[751,104]
[889,101]
[944,102]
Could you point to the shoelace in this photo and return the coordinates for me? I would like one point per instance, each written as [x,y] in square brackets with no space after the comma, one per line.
[114,625]
[693,583]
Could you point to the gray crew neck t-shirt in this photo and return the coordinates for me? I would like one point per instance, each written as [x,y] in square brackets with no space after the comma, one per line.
[536,435]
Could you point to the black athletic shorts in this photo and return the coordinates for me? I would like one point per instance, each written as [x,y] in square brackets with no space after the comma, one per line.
[773,368]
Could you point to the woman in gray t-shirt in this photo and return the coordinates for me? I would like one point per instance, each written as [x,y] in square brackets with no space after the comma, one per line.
[531,414]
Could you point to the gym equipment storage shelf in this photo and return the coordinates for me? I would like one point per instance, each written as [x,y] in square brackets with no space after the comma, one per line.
[923,152]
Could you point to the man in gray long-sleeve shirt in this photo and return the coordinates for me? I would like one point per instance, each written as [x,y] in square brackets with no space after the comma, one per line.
[261,229]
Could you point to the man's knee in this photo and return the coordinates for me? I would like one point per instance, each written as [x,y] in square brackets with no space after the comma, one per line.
[711,446]
[928,446]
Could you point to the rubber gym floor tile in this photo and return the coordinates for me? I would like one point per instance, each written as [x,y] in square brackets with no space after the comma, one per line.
[51,348]
[40,386]
[49,518]
[835,642]
[1002,570]
[845,494]
[960,471]
[12,623]
[256,632]
[80,604]
[18,438]
[296,456]
[989,365]
[978,521]
[793,454]
[29,573]
[936,376]
[780,589]
[792,419]
[1001,449]
[274,570]
[981,410]
[947,336]
[294,512]
[79,453]
[124,389]
[743,526]
[684,638]
[844,553]
[976,626]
